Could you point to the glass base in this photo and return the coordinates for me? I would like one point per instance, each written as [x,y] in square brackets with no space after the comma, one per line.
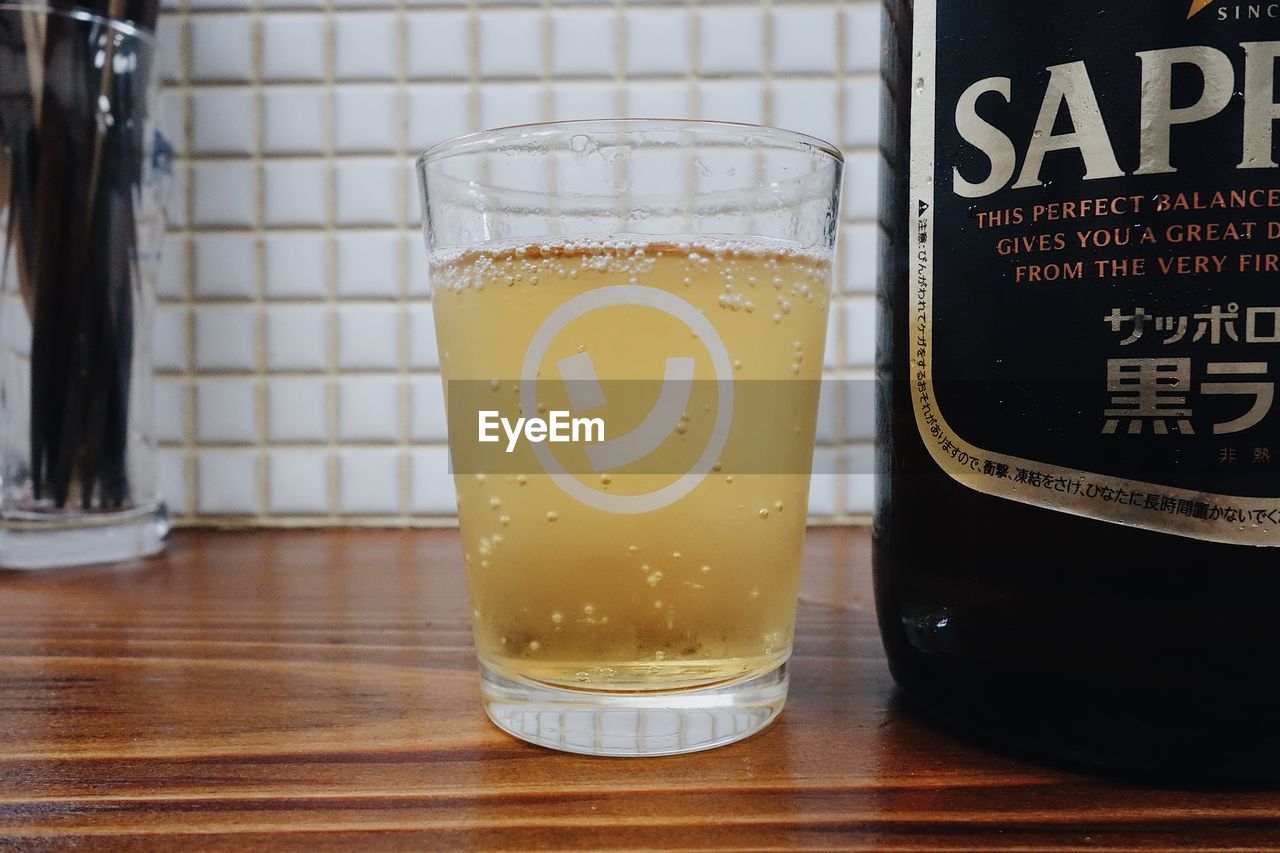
[33,541]
[633,724]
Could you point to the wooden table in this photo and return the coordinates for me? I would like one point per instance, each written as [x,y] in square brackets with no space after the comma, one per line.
[316,690]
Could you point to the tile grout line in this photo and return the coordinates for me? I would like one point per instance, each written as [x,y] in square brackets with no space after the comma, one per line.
[473,66]
[693,61]
[838,306]
[333,474]
[766,61]
[190,467]
[458,5]
[620,57]
[548,46]
[260,314]
[404,462]
[584,77]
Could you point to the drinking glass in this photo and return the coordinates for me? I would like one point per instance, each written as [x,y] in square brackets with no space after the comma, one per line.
[633,588]
[81,174]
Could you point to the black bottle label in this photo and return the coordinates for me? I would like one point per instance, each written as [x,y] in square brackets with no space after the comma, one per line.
[1094,310]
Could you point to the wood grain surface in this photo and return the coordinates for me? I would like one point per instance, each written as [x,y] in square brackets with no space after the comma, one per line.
[317,690]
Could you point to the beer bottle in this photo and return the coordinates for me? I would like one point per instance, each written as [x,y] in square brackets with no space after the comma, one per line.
[1078,529]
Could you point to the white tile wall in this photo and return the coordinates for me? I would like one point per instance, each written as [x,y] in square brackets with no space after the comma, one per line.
[369,409]
[369,264]
[365,119]
[294,339]
[295,120]
[297,410]
[584,42]
[293,192]
[298,483]
[511,44]
[365,47]
[730,40]
[226,266]
[223,194]
[369,481]
[297,337]
[438,45]
[293,47]
[224,122]
[226,411]
[221,48]
[225,338]
[657,42]
[296,265]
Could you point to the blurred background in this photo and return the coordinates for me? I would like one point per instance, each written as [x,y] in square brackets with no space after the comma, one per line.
[298,379]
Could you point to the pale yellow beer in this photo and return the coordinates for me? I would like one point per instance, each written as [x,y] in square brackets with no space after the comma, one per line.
[698,592]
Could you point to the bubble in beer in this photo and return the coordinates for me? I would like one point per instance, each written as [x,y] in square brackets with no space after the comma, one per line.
[633,549]
[675,555]
[521,479]
[764,512]
[553,516]
[777,505]
[494,503]
[557,617]
[654,578]
[504,520]
[706,570]
[479,478]
[658,605]
[588,609]
[755,593]
[534,645]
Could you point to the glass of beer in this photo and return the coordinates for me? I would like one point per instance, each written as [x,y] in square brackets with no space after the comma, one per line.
[631,317]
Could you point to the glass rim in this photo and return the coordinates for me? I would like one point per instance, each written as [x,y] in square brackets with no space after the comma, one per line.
[128,28]
[468,142]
